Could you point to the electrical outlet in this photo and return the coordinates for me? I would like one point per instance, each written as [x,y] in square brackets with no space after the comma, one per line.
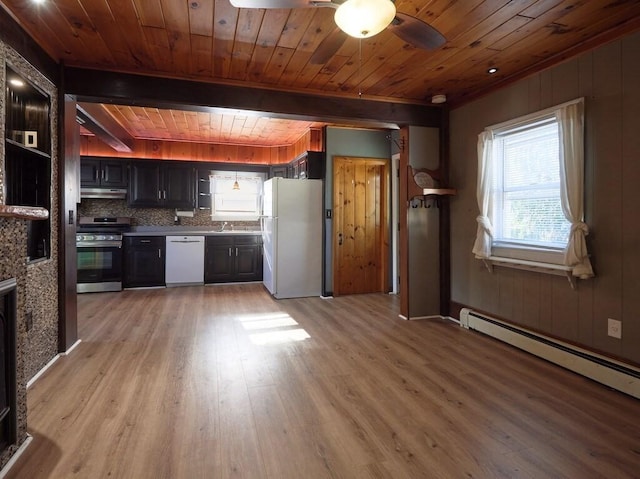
[29,318]
[614,328]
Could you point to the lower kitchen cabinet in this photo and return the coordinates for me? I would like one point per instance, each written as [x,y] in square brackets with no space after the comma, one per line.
[144,261]
[233,258]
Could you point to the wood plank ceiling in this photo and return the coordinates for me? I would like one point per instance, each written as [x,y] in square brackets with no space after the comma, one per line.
[230,128]
[212,41]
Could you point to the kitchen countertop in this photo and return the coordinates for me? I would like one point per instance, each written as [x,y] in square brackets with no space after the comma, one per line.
[185,230]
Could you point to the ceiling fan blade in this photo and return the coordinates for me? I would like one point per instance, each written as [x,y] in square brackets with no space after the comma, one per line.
[416,32]
[328,47]
[278,3]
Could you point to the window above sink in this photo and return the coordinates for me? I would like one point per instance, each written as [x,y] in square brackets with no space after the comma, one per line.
[236,195]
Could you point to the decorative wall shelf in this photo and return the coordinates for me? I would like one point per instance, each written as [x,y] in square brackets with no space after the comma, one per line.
[30,150]
[424,182]
[535,266]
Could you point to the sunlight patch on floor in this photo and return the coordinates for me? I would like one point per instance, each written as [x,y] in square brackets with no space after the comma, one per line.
[270,324]
[277,337]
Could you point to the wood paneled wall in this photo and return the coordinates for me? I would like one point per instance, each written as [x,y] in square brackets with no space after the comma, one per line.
[607,77]
[172,150]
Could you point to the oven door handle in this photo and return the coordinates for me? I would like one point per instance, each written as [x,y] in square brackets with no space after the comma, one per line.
[99,244]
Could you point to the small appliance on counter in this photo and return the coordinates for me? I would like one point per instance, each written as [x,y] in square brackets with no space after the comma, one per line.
[99,247]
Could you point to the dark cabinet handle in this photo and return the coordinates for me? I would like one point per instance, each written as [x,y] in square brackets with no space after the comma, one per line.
[339,239]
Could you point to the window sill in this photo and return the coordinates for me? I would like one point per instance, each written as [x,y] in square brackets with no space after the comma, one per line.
[535,266]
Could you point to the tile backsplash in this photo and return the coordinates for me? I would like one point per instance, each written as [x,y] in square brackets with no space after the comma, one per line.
[151,216]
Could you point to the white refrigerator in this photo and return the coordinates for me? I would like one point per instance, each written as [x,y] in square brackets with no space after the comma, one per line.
[292,237]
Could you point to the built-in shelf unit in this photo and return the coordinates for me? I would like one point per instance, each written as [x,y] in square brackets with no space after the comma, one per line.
[27,167]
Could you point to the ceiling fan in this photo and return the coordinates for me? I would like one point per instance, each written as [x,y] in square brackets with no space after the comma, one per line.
[359,19]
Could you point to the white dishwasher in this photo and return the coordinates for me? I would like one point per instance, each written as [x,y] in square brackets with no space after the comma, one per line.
[184,260]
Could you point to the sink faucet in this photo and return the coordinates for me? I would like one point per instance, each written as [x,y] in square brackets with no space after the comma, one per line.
[223,225]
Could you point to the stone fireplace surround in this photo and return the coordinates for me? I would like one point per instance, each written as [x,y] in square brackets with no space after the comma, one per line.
[37,282]
[8,363]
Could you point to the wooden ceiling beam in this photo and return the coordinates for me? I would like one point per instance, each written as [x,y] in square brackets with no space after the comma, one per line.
[129,89]
[99,122]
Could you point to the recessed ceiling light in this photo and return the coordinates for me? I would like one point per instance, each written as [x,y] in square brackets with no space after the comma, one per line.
[16,82]
[492,70]
[38,2]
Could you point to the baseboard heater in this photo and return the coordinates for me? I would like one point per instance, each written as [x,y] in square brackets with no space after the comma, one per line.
[616,375]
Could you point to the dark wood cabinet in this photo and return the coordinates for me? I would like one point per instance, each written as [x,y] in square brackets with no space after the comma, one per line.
[218,259]
[279,171]
[156,184]
[144,184]
[144,261]
[309,165]
[233,258]
[103,173]
[27,161]
[178,182]
[248,258]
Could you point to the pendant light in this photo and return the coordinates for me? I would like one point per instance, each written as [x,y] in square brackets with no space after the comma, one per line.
[236,185]
[364,18]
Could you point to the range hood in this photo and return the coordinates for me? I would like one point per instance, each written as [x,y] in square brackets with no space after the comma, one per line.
[104,193]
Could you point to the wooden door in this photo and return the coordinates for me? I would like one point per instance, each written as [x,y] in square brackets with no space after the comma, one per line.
[360,225]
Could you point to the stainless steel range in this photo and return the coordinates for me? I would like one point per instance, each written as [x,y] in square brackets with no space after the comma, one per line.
[99,246]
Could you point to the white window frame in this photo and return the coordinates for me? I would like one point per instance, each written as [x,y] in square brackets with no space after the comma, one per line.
[220,187]
[572,260]
[537,252]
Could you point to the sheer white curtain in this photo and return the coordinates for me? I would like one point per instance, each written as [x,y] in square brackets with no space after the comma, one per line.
[484,236]
[571,127]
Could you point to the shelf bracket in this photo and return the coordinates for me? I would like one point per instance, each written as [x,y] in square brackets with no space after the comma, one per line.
[399,143]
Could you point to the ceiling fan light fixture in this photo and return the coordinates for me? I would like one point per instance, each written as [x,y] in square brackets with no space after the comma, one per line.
[364,18]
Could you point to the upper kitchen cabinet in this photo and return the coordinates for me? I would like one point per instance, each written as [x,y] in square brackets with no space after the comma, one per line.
[103,173]
[279,171]
[162,184]
[309,165]
[28,157]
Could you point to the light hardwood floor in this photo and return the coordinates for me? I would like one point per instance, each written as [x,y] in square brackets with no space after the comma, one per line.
[218,382]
